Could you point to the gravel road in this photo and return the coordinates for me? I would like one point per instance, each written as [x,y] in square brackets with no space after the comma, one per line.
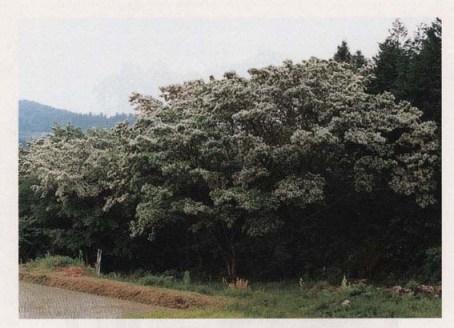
[42,302]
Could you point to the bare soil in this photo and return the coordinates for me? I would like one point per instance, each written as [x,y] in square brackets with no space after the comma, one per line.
[72,280]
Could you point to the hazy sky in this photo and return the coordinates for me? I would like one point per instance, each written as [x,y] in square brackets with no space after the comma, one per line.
[93,65]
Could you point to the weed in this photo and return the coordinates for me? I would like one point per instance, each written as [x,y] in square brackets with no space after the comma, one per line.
[241,283]
[344,283]
[186,278]
[301,282]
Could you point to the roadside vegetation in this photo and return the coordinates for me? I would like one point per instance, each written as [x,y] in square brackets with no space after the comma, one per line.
[215,299]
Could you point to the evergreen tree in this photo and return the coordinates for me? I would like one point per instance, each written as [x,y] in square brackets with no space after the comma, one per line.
[411,69]
[343,54]
[358,60]
[392,62]
[424,76]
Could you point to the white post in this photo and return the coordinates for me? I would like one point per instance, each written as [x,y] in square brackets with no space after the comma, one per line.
[98,262]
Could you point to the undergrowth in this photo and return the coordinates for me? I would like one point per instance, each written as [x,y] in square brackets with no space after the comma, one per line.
[298,299]
[50,262]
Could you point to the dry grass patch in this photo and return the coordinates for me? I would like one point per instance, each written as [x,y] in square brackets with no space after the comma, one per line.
[73,271]
[71,280]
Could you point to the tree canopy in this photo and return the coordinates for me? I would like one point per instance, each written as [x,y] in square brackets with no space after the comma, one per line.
[410,68]
[297,168]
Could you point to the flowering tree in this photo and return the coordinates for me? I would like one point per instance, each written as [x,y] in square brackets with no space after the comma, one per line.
[75,176]
[240,158]
[294,166]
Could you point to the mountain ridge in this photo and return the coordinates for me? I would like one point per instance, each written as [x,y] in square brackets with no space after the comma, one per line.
[36,119]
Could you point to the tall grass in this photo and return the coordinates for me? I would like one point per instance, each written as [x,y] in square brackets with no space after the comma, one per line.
[51,262]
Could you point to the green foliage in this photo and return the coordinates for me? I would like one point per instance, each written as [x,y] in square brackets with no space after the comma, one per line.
[282,301]
[316,299]
[33,240]
[159,281]
[238,293]
[343,55]
[187,278]
[318,286]
[358,289]
[231,158]
[432,265]
[68,179]
[51,262]
[413,285]
[171,281]
[296,166]
[411,68]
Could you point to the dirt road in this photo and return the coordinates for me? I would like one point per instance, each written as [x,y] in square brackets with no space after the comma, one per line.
[42,302]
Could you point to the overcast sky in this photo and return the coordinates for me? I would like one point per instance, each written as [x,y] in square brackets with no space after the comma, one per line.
[93,65]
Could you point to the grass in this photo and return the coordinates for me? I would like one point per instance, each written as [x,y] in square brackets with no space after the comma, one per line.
[49,263]
[260,300]
[291,303]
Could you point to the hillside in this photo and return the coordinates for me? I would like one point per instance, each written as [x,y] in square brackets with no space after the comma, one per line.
[36,120]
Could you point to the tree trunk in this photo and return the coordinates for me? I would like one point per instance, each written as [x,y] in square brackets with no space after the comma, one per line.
[231,266]
[233,261]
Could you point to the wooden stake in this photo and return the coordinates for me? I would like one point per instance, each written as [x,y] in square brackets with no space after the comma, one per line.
[98,262]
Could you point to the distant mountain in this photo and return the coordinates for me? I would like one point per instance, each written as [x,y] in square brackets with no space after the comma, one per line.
[37,120]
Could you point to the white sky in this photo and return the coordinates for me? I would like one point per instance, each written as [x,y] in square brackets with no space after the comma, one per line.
[93,65]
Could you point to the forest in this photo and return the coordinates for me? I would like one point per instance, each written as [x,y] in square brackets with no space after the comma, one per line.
[320,169]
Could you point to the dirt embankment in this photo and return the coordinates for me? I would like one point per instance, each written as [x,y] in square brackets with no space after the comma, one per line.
[74,280]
